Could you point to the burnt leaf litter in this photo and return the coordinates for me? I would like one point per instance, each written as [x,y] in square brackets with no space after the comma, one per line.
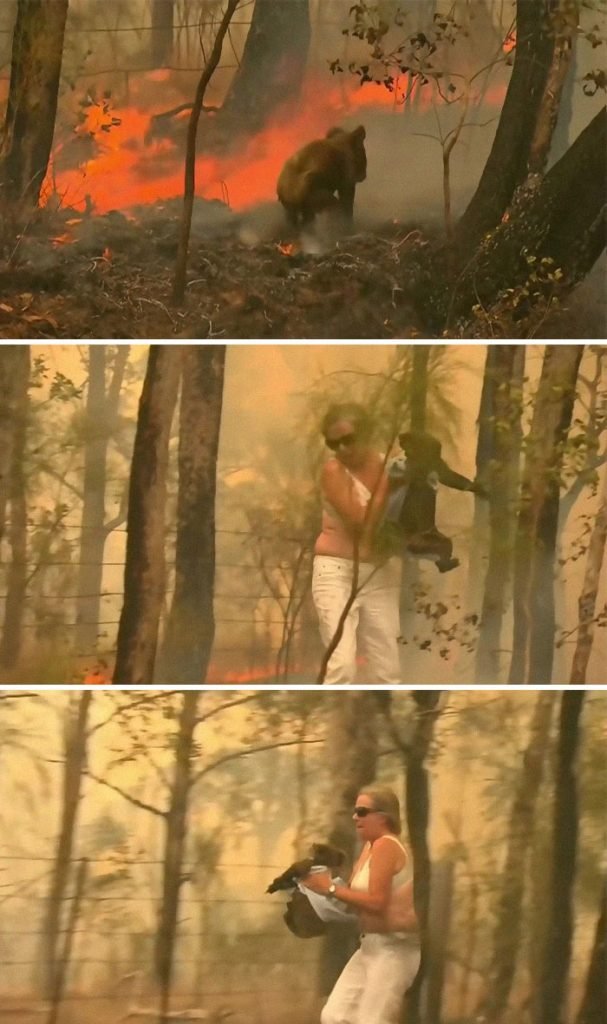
[75,275]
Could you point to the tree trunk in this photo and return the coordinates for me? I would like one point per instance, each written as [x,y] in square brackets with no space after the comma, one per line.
[75,756]
[418,820]
[559,217]
[16,586]
[162,32]
[273,63]
[592,1010]
[534,626]
[507,932]
[100,421]
[172,865]
[419,386]
[11,358]
[551,997]
[588,597]
[502,474]
[351,755]
[189,185]
[144,577]
[507,164]
[565,23]
[191,625]
[32,99]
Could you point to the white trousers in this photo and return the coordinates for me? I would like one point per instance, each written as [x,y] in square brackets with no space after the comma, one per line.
[372,626]
[371,987]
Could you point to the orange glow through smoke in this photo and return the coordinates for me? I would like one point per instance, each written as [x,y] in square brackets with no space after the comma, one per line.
[128,171]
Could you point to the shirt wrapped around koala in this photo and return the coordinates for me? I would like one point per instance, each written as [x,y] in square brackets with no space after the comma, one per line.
[307,912]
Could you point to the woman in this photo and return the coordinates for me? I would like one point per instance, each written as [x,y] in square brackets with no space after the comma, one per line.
[354,489]
[371,987]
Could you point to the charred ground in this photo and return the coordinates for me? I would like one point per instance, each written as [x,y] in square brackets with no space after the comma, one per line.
[75,276]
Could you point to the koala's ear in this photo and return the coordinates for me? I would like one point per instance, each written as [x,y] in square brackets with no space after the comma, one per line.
[359,133]
[333,131]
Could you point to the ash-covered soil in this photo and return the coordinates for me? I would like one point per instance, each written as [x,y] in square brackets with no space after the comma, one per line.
[75,276]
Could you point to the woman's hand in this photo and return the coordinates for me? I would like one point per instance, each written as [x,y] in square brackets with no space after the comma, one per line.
[318,881]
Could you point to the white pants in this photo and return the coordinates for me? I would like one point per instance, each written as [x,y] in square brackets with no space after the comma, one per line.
[372,622]
[371,987]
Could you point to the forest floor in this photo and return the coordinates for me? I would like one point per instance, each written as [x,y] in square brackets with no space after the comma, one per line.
[77,276]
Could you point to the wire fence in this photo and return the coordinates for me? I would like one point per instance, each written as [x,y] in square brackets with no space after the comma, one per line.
[230,941]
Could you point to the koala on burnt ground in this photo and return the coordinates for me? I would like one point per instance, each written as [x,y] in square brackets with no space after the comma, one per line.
[310,179]
[321,855]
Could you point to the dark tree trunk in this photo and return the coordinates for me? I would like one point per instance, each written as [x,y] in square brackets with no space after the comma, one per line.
[172,866]
[16,586]
[351,752]
[419,386]
[75,757]
[590,588]
[534,626]
[592,1010]
[551,997]
[191,624]
[559,217]
[101,412]
[502,475]
[507,165]
[32,100]
[11,357]
[273,63]
[163,12]
[507,933]
[418,821]
[144,576]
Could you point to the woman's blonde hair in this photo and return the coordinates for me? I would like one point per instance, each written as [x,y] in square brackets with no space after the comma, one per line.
[385,800]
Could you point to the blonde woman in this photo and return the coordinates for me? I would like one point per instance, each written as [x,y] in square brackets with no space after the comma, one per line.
[371,987]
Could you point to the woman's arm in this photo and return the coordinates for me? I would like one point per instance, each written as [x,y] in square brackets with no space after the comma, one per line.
[382,869]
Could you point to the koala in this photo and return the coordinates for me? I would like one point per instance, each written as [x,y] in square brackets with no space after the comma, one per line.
[322,855]
[310,179]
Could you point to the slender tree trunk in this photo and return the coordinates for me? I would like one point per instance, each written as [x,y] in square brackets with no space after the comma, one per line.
[10,646]
[273,63]
[101,414]
[32,101]
[64,961]
[418,821]
[351,753]
[507,164]
[551,1007]
[534,626]
[11,359]
[172,866]
[588,597]
[75,757]
[190,156]
[144,577]
[502,474]
[191,624]
[592,1010]
[507,933]
[419,386]
[93,505]
[163,12]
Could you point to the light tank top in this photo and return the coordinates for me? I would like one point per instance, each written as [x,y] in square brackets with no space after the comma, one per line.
[360,880]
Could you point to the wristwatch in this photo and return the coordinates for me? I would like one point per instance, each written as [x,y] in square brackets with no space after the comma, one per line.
[332,889]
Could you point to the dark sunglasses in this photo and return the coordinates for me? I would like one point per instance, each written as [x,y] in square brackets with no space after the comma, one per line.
[362,812]
[347,439]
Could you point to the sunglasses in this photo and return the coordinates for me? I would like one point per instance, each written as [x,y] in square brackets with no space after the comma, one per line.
[347,440]
[362,812]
